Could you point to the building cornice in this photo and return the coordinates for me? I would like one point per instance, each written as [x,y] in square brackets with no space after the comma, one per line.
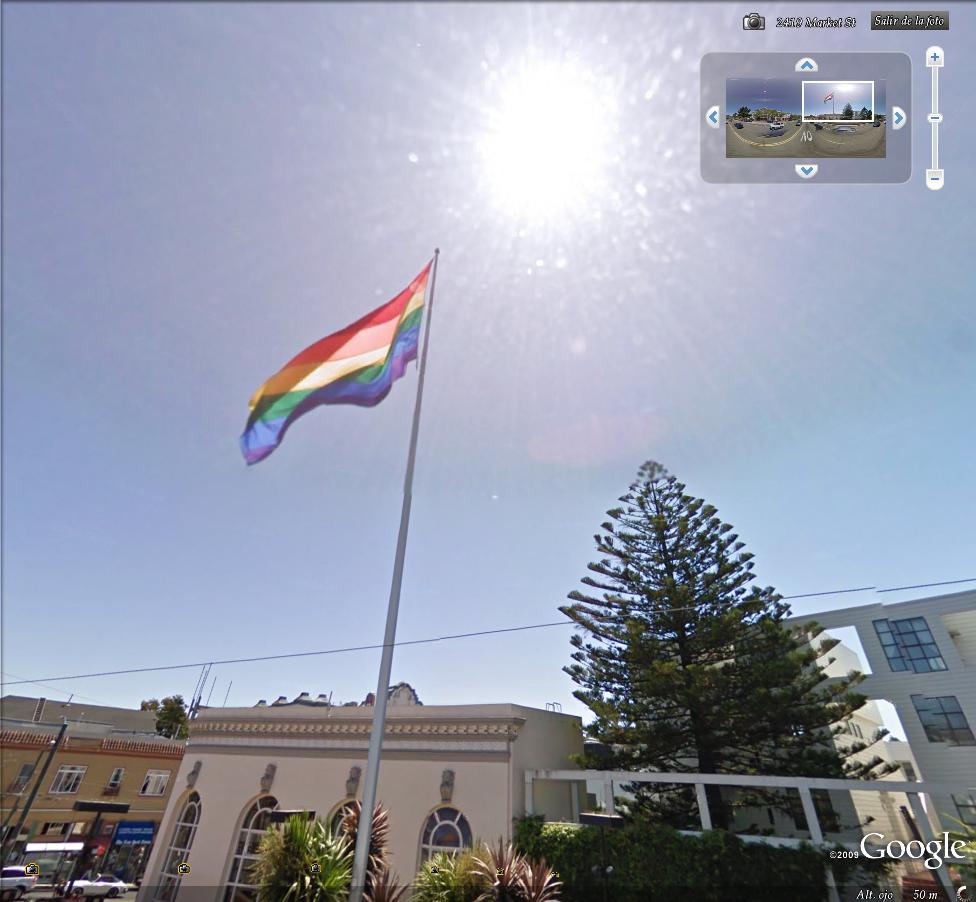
[493,728]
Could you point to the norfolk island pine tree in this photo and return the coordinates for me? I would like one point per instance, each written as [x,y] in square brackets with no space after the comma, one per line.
[688,668]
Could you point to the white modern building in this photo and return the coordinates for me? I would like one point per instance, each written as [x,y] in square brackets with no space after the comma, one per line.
[450,774]
[921,657]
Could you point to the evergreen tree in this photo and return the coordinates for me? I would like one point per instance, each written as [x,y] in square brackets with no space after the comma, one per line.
[687,668]
[848,111]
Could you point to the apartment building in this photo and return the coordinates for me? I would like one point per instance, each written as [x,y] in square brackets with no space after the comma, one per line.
[921,657]
[107,755]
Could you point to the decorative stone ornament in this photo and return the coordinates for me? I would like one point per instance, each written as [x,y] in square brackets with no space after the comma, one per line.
[447,785]
[268,778]
[194,773]
[352,784]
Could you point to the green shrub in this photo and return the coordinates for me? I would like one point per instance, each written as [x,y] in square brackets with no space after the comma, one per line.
[654,862]
[448,878]
[284,871]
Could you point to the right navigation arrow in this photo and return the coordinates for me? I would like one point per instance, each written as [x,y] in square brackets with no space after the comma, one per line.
[899,117]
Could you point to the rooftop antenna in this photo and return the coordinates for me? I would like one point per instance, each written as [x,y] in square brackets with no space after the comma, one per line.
[227,695]
[198,691]
[212,685]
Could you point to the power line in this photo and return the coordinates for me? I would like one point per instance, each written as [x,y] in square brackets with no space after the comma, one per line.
[428,641]
[71,695]
[951,582]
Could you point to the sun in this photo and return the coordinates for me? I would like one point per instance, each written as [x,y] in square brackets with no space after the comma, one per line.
[548,140]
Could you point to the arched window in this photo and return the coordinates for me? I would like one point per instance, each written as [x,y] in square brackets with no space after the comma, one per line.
[253,827]
[446,830]
[179,849]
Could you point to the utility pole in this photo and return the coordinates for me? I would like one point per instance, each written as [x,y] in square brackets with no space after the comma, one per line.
[55,744]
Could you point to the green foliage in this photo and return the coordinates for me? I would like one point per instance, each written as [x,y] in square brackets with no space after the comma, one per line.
[688,668]
[656,862]
[171,717]
[742,113]
[848,112]
[967,834]
[448,878]
[486,874]
[284,869]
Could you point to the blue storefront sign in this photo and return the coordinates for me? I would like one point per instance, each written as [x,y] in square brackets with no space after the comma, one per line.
[134,833]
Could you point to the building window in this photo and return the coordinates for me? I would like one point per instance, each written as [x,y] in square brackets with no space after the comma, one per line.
[967,809]
[68,778]
[21,780]
[255,823]
[155,783]
[943,720]
[54,827]
[179,849]
[115,781]
[446,830]
[909,772]
[908,645]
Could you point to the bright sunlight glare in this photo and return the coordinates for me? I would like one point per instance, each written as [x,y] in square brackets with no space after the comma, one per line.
[547,142]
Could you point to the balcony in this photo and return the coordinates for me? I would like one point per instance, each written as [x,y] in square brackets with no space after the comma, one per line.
[110,791]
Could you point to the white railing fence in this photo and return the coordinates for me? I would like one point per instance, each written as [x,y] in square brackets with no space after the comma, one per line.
[804,785]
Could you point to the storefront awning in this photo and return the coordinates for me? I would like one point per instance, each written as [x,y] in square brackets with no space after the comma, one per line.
[54,847]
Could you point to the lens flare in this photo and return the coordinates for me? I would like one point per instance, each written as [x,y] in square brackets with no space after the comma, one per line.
[548,141]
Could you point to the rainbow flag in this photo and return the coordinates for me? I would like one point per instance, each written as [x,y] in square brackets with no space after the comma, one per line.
[357,365]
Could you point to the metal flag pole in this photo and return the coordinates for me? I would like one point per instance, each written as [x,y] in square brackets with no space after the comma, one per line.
[365,830]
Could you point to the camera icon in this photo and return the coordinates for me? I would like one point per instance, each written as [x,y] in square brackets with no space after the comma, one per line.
[753,22]
[182,869]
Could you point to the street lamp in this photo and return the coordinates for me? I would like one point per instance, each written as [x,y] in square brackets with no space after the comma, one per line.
[604,822]
[99,808]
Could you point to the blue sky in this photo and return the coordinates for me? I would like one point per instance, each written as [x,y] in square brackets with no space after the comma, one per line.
[781,94]
[859,94]
[195,192]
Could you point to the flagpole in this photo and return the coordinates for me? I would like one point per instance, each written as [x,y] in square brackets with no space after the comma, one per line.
[365,829]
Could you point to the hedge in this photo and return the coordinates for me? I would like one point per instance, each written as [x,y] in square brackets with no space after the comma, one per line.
[654,862]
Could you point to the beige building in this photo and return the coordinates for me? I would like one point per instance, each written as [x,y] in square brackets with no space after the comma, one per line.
[449,775]
[106,755]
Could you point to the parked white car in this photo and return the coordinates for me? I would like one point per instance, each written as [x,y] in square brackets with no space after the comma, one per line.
[104,885]
[15,882]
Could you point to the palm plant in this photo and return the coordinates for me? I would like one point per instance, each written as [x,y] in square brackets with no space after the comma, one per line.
[379,841]
[386,888]
[538,882]
[302,862]
[501,867]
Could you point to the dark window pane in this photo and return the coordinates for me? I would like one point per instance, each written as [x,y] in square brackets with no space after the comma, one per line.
[447,836]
